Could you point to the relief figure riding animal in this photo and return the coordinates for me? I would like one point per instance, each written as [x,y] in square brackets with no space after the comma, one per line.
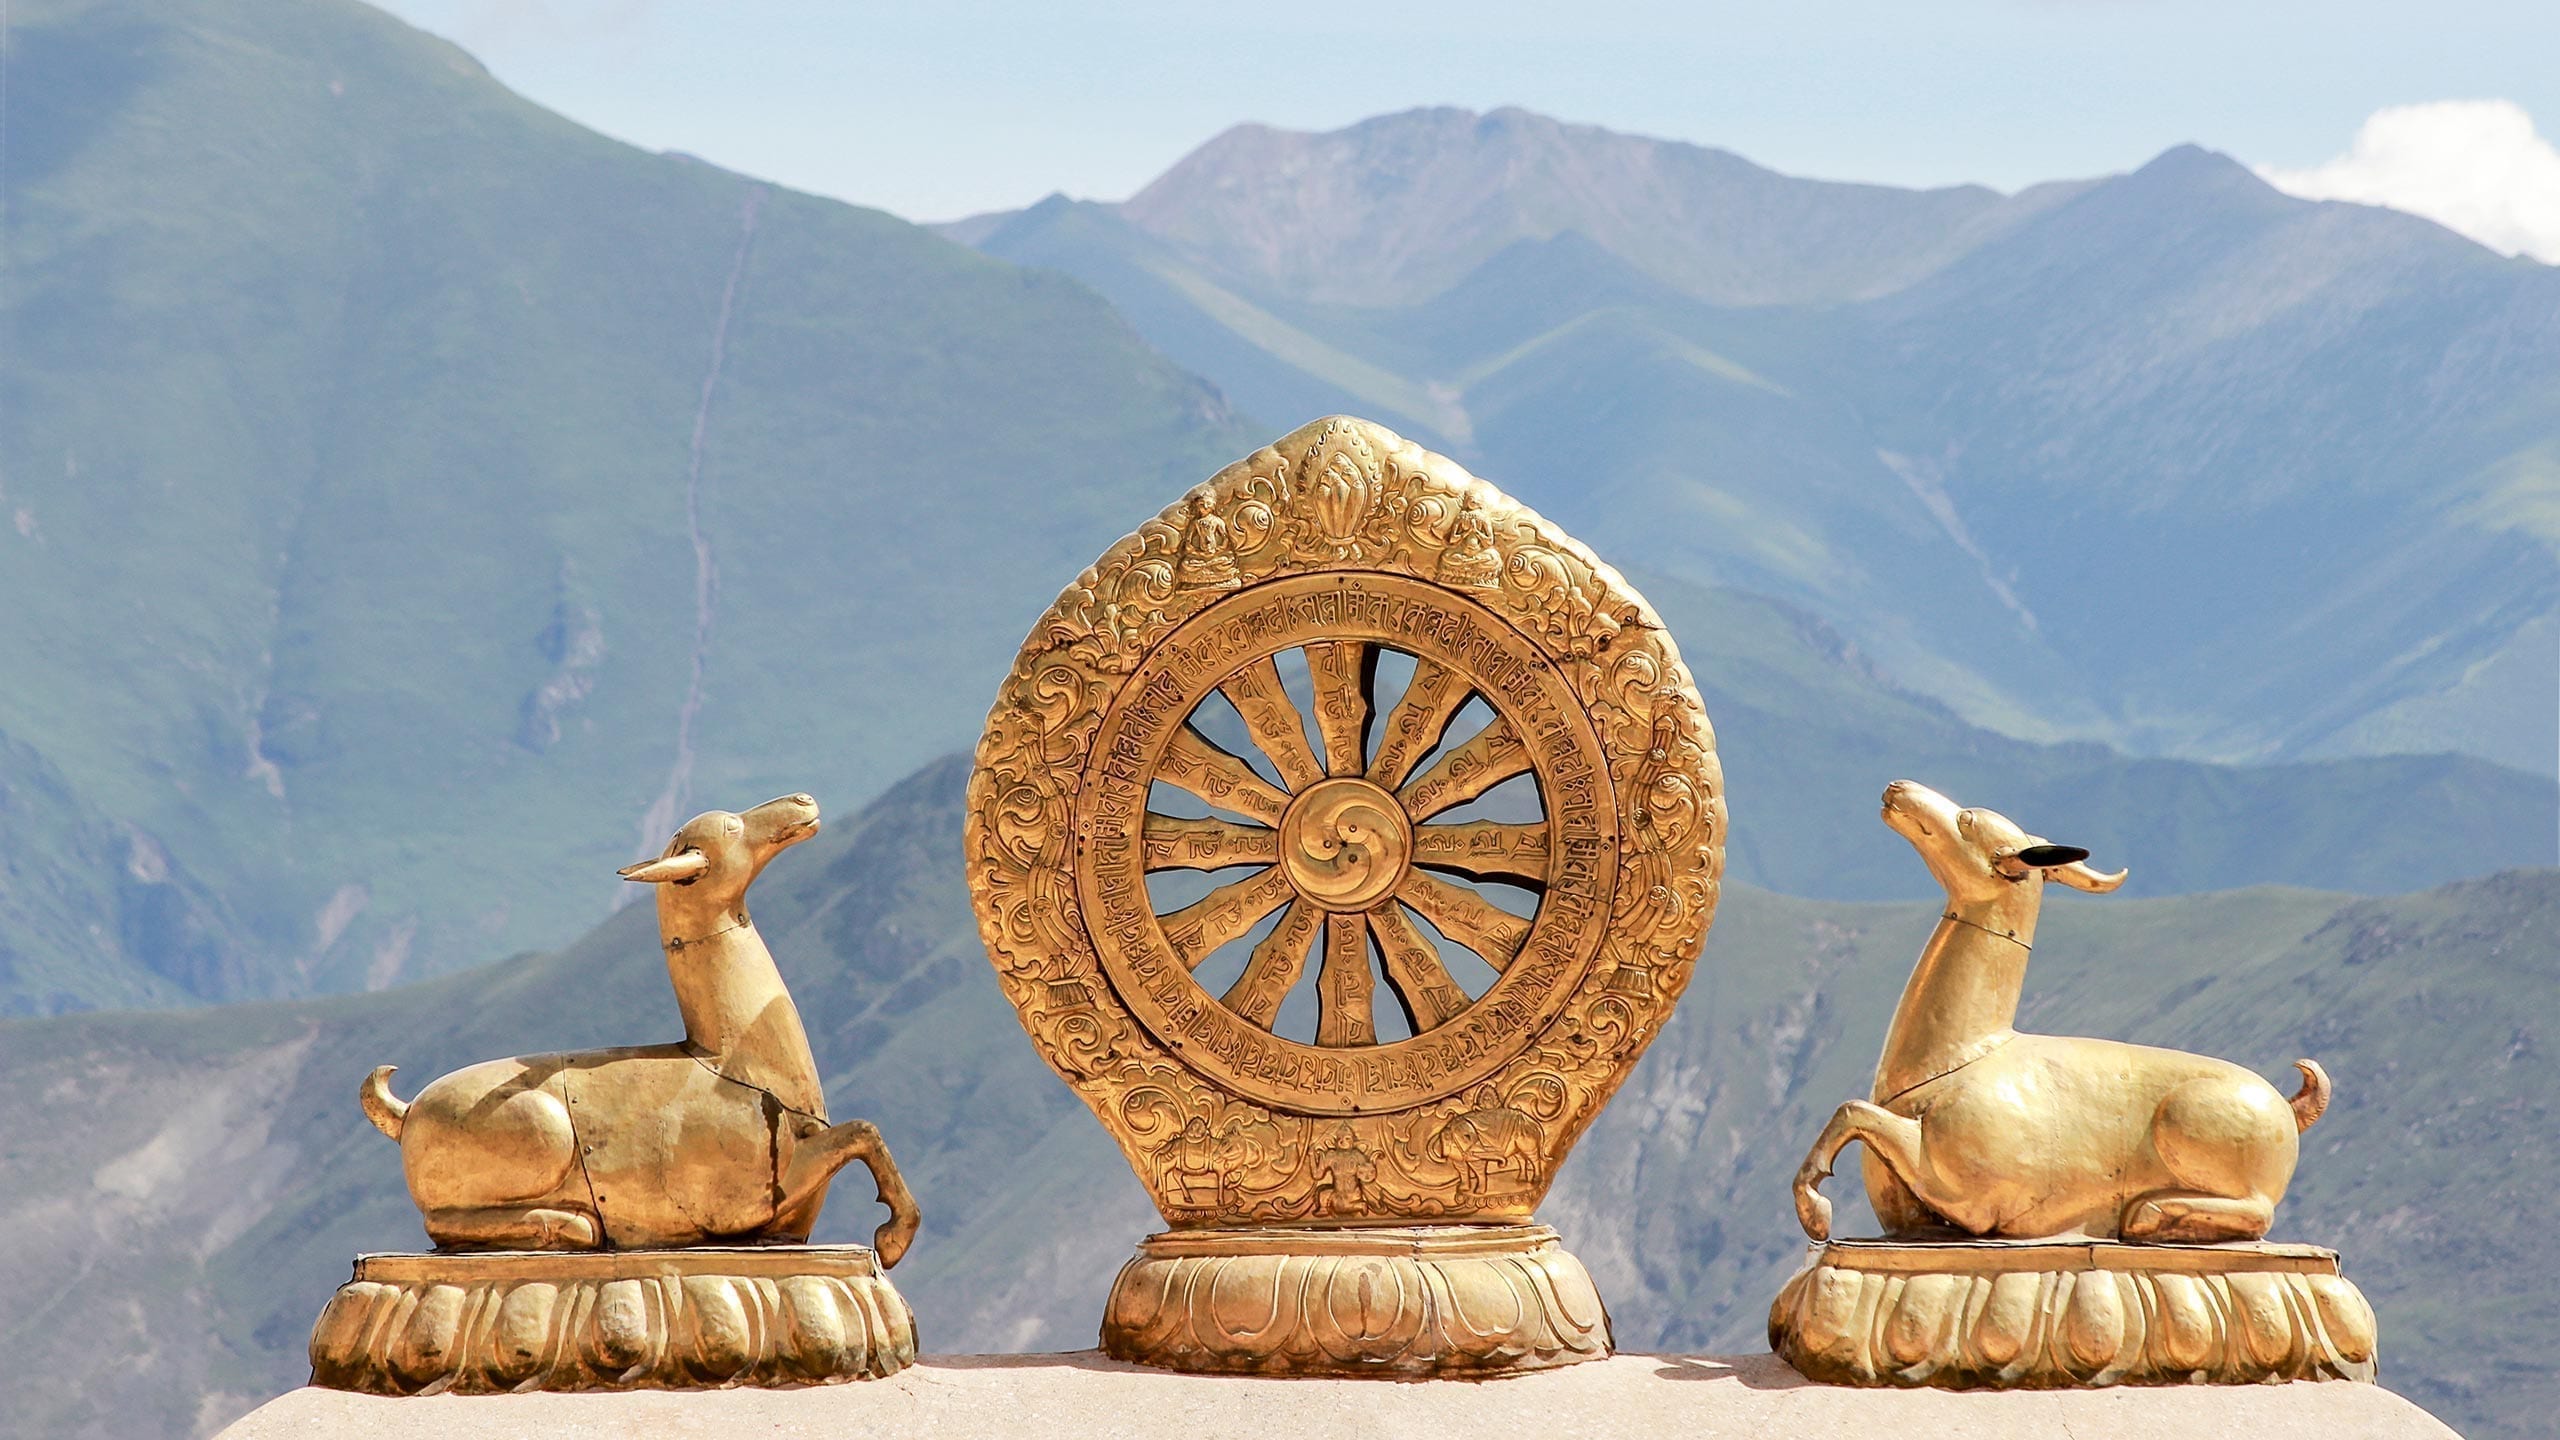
[1978,1128]
[721,1138]
[1487,1138]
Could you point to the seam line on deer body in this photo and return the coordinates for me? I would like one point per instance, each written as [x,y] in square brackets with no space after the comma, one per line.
[786,1107]
[1994,1043]
[2010,936]
[705,937]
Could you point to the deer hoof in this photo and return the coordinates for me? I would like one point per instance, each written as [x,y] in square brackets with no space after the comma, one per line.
[1813,1210]
[562,1230]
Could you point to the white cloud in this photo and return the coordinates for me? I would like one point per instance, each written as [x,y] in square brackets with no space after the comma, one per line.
[2475,167]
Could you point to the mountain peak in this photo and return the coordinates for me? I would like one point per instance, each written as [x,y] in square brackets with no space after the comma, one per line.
[2192,164]
[1400,207]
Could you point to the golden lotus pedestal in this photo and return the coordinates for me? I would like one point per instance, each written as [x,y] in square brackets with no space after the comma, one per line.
[1397,1300]
[519,1320]
[2034,1315]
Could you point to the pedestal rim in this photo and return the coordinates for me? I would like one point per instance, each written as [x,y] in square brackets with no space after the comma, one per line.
[1418,1241]
[1992,1257]
[403,1267]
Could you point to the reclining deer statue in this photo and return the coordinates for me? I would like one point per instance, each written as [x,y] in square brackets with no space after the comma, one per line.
[722,1138]
[1979,1128]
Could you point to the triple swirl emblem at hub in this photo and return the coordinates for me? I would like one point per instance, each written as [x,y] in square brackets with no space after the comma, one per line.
[1343,844]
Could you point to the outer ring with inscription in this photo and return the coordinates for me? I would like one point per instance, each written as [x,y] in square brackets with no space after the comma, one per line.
[1229,1128]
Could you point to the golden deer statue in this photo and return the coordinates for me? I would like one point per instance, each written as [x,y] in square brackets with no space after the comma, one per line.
[722,1138]
[1979,1128]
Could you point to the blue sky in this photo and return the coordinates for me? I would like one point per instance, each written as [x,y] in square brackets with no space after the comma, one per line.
[938,110]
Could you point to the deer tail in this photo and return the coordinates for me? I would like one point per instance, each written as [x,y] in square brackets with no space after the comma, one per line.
[2312,1101]
[387,1110]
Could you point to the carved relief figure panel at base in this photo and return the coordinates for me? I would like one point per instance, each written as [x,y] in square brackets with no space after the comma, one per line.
[719,1139]
[1342,836]
[1977,1130]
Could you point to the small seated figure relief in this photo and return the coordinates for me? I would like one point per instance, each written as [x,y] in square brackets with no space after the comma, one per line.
[1208,558]
[1978,1129]
[1471,560]
[722,1138]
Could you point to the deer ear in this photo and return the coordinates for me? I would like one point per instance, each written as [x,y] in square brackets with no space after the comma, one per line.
[683,865]
[2045,857]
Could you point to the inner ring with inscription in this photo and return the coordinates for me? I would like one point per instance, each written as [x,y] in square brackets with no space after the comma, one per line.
[1346,842]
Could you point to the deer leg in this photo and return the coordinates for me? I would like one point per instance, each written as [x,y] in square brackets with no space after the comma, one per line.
[2180,1218]
[820,1156]
[511,1227]
[2228,1146]
[1889,1136]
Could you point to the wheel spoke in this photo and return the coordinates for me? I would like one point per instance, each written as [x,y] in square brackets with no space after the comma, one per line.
[1517,853]
[1417,722]
[1212,844]
[1199,928]
[1494,755]
[1255,692]
[1345,989]
[1226,781]
[1466,917]
[1343,671]
[1431,999]
[1273,971]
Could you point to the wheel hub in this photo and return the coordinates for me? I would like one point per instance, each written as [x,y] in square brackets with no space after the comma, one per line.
[1345,843]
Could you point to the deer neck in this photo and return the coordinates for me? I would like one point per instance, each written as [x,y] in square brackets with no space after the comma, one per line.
[1963,994]
[736,1010]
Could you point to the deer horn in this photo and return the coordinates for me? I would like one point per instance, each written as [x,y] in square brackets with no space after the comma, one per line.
[683,865]
[2079,876]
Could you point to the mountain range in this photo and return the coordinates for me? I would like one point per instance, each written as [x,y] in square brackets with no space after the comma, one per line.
[418,504]
[2167,460]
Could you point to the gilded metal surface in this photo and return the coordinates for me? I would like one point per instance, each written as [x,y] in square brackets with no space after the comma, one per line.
[722,1137]
[512,1321]
[1337,823]
[1406,1300]
[1980,1129]
[2026,1315]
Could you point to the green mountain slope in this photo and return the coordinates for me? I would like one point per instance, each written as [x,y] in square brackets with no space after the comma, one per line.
[1809,734]
[214,1160]
[413,497]
[2316,440]
[2167,460]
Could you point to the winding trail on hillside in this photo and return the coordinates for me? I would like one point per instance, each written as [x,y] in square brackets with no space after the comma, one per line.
[659,820]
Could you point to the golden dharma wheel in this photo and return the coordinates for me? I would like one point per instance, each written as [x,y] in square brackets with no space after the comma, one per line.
[1343,836]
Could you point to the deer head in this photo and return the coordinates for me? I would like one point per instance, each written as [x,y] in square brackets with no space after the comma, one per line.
[1981,857]
[705,870]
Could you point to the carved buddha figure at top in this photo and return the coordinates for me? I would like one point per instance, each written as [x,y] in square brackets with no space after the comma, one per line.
[1977,1128]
